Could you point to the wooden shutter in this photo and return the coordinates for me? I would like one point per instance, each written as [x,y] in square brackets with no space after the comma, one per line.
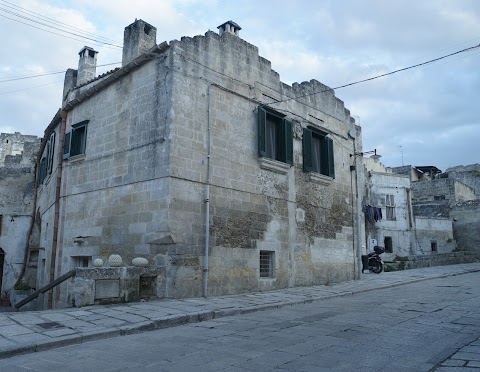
[52,152]
[48,155]
[262,130]
[67,145]
[288,141]
[43,170]
[330,157]
[307,150]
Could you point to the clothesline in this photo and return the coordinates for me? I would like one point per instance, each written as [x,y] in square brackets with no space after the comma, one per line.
[373,214]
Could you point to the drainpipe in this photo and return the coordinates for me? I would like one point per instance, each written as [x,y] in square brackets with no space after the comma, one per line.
[359,226]
[53,257]
[207,199]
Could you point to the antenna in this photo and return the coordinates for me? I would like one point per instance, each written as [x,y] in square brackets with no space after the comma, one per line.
[401,151]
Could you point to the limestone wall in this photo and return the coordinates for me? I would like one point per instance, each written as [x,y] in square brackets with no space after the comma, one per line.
[17,159]
[140,189]
[438,231]
[307,225]
[466,225]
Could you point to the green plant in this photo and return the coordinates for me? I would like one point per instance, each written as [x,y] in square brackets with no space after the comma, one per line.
[22,286]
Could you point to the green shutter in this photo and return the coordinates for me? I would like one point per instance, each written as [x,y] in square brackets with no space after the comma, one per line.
[66,145]
[288,141]
[330,157]
[262,127]
[52,152]
[307,150]
[42,171]
[48,155]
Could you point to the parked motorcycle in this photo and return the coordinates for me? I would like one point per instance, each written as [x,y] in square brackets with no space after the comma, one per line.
[373,261]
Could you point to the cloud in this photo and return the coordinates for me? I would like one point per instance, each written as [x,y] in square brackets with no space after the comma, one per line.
[429,111]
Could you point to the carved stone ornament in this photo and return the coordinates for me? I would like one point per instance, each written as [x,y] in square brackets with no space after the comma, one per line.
[115,260]
[297,130]
[139,262]
[98,262]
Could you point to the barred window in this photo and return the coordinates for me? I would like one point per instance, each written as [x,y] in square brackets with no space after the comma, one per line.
[266,264]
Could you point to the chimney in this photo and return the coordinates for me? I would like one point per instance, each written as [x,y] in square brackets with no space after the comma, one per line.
[87,65]
[137,39]
[230,27]
[70,81]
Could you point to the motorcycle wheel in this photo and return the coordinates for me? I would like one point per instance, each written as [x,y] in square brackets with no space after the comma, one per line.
[377,269]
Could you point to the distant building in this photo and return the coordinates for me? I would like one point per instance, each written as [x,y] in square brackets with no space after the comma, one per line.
[17,164]
[395,221]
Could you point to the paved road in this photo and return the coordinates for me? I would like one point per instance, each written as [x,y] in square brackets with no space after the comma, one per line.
[427,325]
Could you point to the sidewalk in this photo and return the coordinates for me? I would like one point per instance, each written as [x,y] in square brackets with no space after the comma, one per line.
[27,332]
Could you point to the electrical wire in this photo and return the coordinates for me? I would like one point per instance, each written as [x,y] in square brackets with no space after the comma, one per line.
[42,17]
[381,75]
[36,86]
[5,80]
[55,28]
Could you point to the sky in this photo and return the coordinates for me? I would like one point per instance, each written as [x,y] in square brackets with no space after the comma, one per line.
[422,116]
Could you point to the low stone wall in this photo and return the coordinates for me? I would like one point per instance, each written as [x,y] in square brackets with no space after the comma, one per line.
[107,285]
[434,259]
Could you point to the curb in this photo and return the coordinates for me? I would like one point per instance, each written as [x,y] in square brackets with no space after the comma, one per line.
[178,320]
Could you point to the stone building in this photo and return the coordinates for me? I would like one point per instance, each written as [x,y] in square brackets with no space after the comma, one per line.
[465,208]
[17,165]
[192,144]
[398,225]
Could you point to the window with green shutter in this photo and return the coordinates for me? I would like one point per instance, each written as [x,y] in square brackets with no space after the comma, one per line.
[275,136]
[318,154]
[50,153]
[75,140]
[42,171]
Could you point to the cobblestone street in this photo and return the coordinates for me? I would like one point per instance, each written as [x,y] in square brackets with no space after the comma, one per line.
[414,320]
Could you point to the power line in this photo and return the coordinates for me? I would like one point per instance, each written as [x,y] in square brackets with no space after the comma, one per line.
[55,28]
[5,80]
[42,17]
[382,75]
[36,86]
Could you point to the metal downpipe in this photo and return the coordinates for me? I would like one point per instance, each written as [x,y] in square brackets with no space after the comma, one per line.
[207,200]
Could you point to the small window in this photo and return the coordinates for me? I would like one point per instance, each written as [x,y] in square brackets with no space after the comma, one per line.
[275,136]
[433,245]
[75,140]
[387,242]
[390,207]
[266,264]
[318,153]
[439,197]
[82,261]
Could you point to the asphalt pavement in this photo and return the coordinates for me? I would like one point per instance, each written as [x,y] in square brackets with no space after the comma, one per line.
[34,331]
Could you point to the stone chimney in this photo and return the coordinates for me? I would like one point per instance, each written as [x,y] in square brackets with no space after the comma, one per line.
[137,39]
[87,65]
[70,81]
[230,27]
